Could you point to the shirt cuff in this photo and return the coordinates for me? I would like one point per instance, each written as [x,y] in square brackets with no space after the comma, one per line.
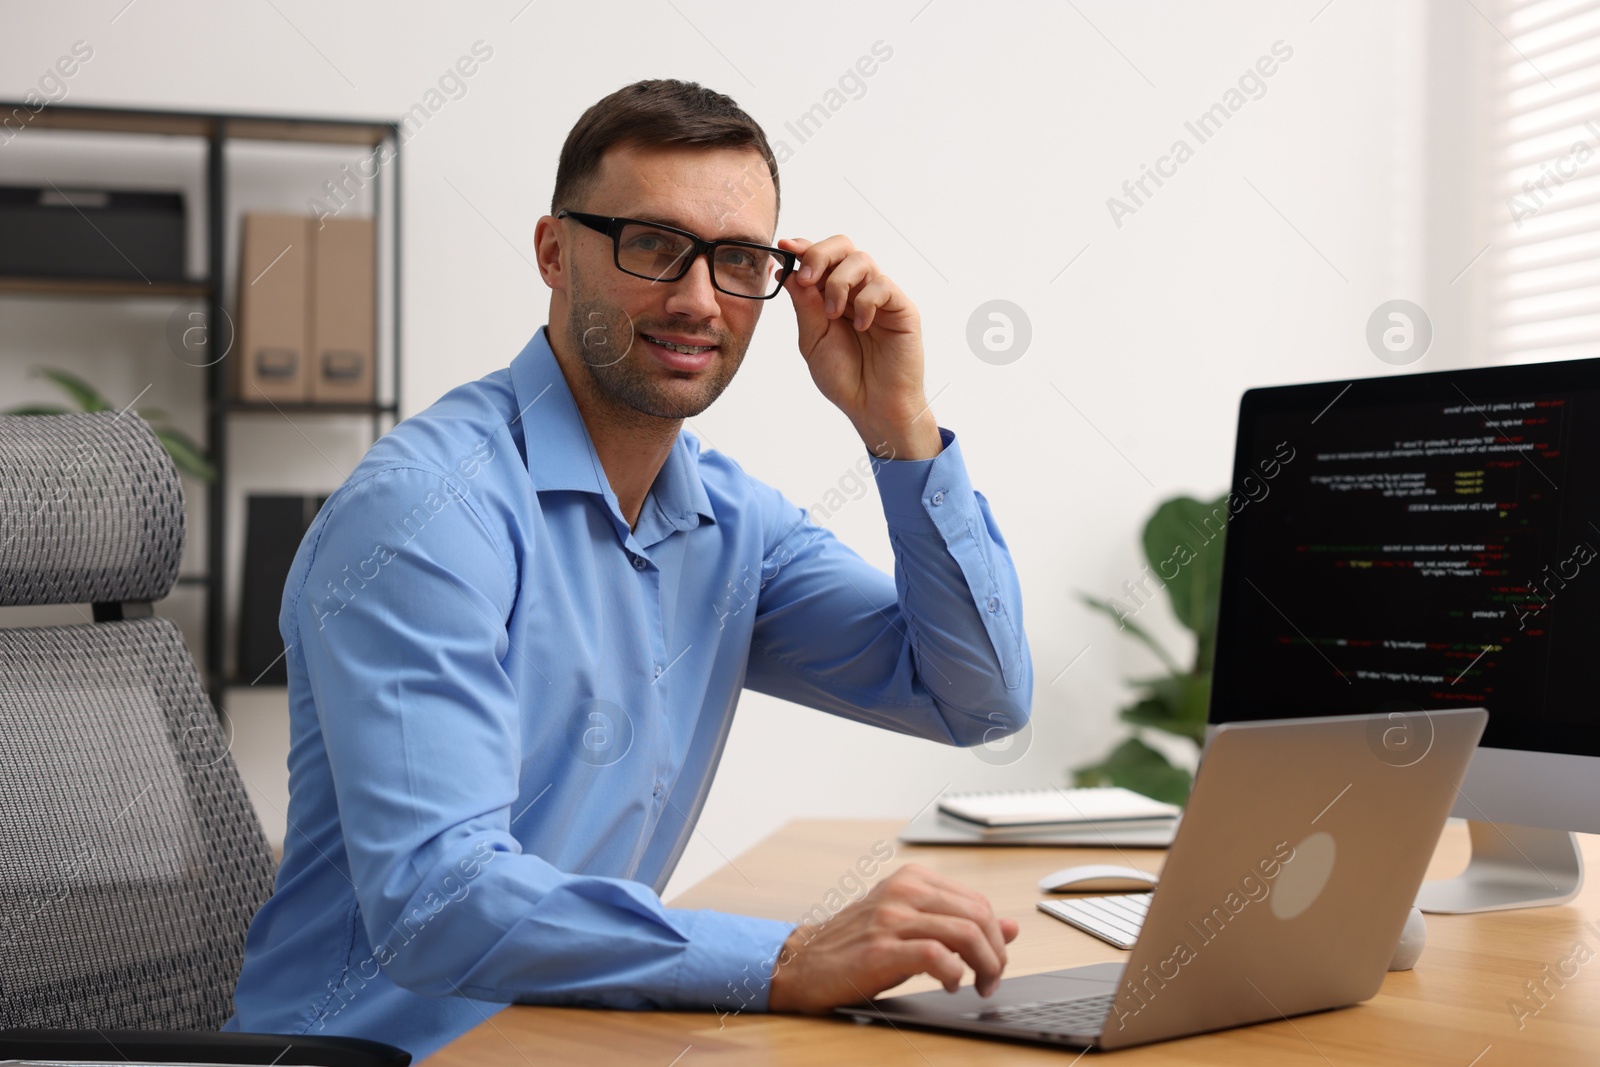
[730,961]
[927,495]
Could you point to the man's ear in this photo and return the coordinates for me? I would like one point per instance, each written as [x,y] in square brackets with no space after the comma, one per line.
[549,253]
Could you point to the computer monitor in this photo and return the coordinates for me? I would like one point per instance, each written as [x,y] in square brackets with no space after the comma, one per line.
[1426,541]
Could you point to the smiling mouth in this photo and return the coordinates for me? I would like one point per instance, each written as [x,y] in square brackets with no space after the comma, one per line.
[688,350]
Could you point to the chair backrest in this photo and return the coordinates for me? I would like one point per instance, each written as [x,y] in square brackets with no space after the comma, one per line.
[131,860]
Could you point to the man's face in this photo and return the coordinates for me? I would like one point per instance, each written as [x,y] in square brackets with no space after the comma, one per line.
[615,321]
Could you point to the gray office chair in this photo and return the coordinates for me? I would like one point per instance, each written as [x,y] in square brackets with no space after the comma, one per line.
[131,860]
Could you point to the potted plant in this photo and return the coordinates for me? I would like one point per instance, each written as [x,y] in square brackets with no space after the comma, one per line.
[189,457]
[1183,544]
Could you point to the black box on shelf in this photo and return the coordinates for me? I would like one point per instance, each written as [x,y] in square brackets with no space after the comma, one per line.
[91,233]
[274,526]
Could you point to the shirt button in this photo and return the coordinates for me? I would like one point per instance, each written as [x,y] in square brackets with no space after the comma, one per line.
[638,563]
[659,669]
[938,498]
[993,605]
[660,785]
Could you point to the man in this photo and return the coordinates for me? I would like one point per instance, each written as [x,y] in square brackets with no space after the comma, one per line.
[517,634]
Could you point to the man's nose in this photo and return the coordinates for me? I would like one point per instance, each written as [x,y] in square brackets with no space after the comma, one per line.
[693,295]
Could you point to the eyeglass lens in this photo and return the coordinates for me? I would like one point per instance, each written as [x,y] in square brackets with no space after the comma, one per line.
[660,255]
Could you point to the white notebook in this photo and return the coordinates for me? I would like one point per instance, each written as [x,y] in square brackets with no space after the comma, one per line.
[1056,807]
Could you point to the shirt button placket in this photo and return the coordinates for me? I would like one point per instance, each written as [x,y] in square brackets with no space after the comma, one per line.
[658,667]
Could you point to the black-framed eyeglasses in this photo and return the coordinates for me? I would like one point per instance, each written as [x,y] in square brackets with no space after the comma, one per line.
[665,253]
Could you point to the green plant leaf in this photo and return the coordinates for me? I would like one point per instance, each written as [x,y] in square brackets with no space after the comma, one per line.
[86,396]
[1123,620]
[186,454]
[1135,765]
[1183,542]
[1177,704]
[1151,711]
[1184,538]
[37,409]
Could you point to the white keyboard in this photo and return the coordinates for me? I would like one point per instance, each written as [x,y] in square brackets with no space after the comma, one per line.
[1114,919]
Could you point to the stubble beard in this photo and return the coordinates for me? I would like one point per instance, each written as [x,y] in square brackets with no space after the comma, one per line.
[625,377]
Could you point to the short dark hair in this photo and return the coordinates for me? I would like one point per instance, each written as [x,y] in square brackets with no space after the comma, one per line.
[659,113]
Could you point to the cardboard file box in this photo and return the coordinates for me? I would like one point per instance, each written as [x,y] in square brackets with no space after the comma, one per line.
[343,312]
[274,309]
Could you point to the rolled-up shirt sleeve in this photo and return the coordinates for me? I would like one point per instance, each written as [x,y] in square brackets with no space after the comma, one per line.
[405,640]
[937,651]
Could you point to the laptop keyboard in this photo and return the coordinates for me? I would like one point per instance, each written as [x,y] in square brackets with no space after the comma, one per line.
[1080,1015]
[1113,919]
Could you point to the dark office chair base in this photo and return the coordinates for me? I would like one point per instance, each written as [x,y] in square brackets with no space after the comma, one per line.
[188,1046]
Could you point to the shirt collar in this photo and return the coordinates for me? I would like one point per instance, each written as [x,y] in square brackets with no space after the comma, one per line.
[560,454]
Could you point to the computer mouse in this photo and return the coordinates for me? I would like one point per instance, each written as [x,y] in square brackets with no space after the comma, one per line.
[1097,878]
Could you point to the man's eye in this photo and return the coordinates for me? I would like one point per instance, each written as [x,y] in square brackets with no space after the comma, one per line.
[737,259]
[655,242]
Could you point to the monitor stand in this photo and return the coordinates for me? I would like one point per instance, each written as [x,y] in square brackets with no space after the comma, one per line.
[1511,867]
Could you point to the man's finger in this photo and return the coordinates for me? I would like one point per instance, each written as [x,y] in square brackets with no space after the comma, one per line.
[962,936]
[931,957]
[817,258]
[898,960]
[951,887]
[926,891]
[874,295]
[846,279]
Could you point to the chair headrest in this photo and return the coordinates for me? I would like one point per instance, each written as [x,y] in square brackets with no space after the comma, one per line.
[91,510]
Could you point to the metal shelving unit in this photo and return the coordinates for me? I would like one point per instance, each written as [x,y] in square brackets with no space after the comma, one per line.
[216,131]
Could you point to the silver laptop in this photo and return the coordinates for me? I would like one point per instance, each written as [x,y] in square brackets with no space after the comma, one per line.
[1300,852]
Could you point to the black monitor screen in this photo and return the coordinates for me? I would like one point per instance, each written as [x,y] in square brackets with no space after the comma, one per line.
[1418,541]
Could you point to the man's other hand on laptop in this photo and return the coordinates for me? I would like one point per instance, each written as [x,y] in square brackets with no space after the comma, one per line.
[913,922]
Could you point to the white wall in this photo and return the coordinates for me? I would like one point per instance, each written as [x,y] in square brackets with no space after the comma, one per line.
[976,165]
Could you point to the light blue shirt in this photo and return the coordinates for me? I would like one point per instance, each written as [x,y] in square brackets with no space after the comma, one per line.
[506,708]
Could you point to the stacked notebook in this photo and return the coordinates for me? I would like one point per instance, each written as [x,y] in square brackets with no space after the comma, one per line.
[1038,812]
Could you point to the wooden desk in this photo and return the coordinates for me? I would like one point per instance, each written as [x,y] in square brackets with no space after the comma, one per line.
[1452,1010]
